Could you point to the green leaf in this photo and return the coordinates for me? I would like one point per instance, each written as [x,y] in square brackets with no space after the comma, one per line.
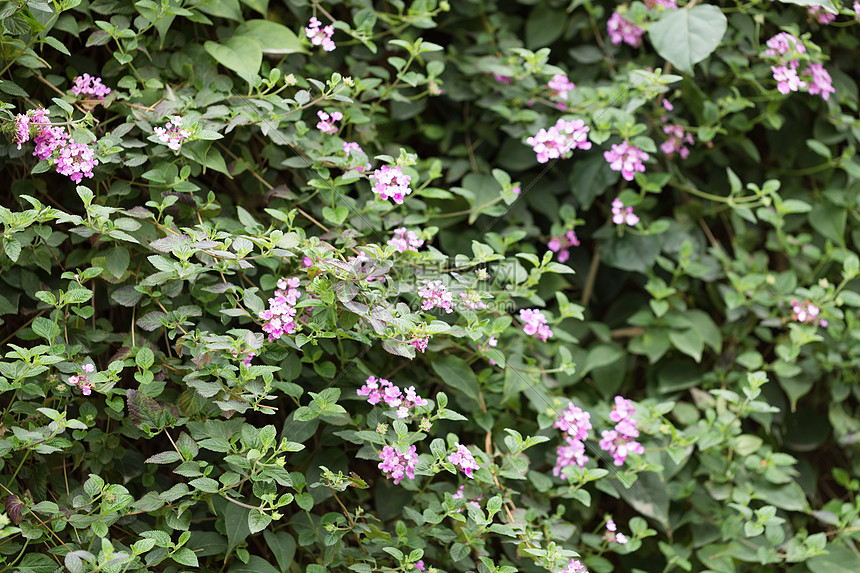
[337,215]
[283,546]
[258,521]
[117,260]
[12,248]
[829,220]
[601,355]
[242,54]
[255,565]
[457,374]
[789,496]
[689,341]
[185,556]
[686,37]
[272,37]
[236,525]
[544,25]
[45,328]
[36,563]
[839,559]
[826,4]
[649,496]
[229,9]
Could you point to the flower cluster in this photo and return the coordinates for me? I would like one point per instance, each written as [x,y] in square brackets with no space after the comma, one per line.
[172,133]
[623,215]
[562,243]
[404,240]
[280,316]
[507,80]
[560,84]
[857,9]
[472,300]
[575,423]
[320,36]
[806,312]
[619,443]
[626,158]
[622,30]
[613,535]
[90,86]
[381,390]
[396,465]
[535,323]
[436,295]
[821,16]
[464,460]
[82,381]
[575,567]
[461,495]
[787,49]
[326,123]
[420,344]
[677,142]
[349,148]
[391,182]
[560,140]
[53,143]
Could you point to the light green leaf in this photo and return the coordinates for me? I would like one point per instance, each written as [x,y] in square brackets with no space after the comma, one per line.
[686,37]
[241,54]
[457,374]
[272,37]
[826,4]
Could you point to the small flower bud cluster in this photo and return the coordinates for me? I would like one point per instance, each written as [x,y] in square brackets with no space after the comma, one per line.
[326,122]
[562,243]
[74,160]
[821,16]
[560,85]
[381,390]
[436,295]
[391,182]
[622,30]
[348,149]
[575,423]
[82,381]
[535,323]
[560,140]
[626,158]
[396,465]
[464,460]
[613,535]
[280,316]
[319,35]
[90,86]
[677,142]
[623,215]
[619,443]
[172,133]
[806,312]
[405,240]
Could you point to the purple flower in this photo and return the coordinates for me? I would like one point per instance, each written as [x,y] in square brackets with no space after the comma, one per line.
[560,140]
[326,122]
[560,84]
[82,381]
[355,149]
[623,215]
[464,460]
[575,567]
[784,43]
[574,421]
[280,316]
[172,133]
[664,3]
[620,442]
[396,465]
[22,129]
[436,295]
[626,158]
[622,30]
[821,82]
[320,36]
[503,79]
[381,390]
[787,80]
[571,453]
[821,16]
[535,323]
[391,182]
[405,240]
[561,243]
[677,140]
[857,9]
[420,344]
[806,312]
[90,86]
[612,534]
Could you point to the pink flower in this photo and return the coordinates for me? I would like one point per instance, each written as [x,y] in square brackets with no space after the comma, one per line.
[622,30]
[821,16]
[405,240]
[172,133]
[574,421]
[82,381]
[623,215]
[307,262]
[22,129]
[503,79]
[571,453]
[75,160]
[326,122]
[667,105]
[420,344]
[619,443]
[575,567]
[381,390]
[626,158]
[560,140]
[320,36]
[677,140]
[391,182]
[535,323]
[561,243]
[806,312]
[279,318]
[787,80]
[398,465]
[821,82]
[560,84]
[356,152]
[664,3]
[784,43]
[419,565]
[90,86]
[516,189]
[857,9]
[436,295]
[472,300]
[464,460]
[612,534]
